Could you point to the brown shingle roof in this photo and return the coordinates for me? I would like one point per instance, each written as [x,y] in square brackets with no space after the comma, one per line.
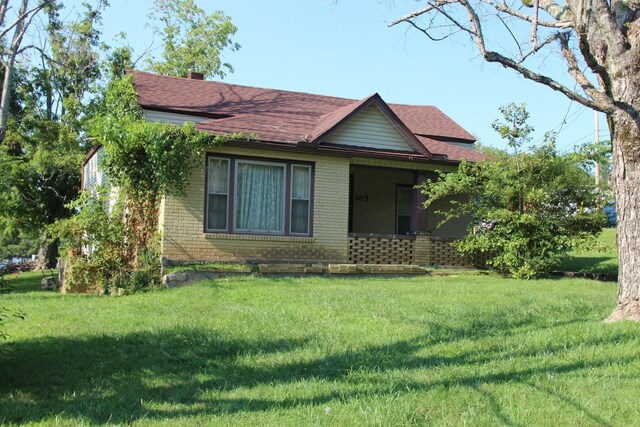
[289,117]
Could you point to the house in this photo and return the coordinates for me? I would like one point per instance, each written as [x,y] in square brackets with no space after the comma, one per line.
[323,179]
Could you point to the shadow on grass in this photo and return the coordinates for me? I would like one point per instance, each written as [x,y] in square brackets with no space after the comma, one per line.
[177,373]
[590,264]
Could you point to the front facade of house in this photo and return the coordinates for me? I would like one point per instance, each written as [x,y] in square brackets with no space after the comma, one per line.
[318,180]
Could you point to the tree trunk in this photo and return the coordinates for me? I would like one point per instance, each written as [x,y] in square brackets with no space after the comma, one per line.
[48,253]
[5,99]
[626,179]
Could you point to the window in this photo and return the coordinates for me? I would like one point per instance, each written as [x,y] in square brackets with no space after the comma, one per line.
[300,199]
[258,197]
[92,175]
[218,197]
[404,199]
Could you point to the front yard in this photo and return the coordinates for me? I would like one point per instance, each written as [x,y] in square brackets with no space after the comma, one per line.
[471,349]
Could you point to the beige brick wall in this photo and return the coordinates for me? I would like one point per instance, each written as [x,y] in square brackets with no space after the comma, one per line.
[182,218]
[182,221]
[374,204]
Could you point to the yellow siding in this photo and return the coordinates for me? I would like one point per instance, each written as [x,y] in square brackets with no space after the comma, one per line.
[174,118]
[183,238]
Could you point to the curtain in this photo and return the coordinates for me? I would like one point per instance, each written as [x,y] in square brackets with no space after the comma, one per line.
[259,197]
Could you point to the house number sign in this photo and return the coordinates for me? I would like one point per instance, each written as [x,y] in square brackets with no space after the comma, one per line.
[361,197]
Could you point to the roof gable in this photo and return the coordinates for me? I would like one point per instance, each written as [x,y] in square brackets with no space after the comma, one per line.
[369,129]
[368,123]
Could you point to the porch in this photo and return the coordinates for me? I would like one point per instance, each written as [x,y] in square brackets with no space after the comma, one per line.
[389,225]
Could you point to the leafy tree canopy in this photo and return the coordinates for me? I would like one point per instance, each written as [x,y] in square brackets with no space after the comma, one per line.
[191,39]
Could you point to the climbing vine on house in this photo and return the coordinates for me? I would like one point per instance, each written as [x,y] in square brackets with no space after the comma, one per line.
[112,242]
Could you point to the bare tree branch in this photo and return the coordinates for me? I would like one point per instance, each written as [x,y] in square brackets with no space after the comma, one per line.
[515,39]
[502,7]
[3,10]
[557,12]
[40,50]
[534,25]
[21,16]
[491,56]
[595,100]
[574,69]
[433,6]
[426,33]
[547,41]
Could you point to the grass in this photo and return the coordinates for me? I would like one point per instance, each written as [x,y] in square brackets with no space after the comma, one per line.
[27,281]
[458,350]
[604,260]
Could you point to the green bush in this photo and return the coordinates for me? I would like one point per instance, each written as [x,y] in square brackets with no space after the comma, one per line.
[527,208]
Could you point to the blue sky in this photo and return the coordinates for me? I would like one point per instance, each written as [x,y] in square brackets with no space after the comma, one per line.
[345,48]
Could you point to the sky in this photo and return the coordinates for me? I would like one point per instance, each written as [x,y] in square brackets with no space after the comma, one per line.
[345,48]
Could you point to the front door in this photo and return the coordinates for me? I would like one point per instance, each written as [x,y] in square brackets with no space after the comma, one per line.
[404,198]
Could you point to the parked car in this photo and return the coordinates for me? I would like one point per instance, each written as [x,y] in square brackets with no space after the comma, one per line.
[610,211]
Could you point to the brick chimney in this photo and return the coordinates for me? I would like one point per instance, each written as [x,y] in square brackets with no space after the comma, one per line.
[194,75]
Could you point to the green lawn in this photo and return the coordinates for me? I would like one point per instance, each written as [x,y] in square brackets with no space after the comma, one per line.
[604,260]
[476,350]
[29,281]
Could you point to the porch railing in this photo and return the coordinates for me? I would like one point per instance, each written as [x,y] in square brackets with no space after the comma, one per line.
[381,249]
[421,249]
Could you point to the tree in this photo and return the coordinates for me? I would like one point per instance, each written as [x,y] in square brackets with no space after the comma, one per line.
[44,143]
[191,39]
[13,50]
[528,208]
[19,245]
[599,36]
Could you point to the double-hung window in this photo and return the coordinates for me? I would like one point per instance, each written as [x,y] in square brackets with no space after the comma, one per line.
[300,199]
[258,196]
[218,194]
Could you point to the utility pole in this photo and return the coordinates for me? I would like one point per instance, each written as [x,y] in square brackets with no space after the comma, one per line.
[597,165]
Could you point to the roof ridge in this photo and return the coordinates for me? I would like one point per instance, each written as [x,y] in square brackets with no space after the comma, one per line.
[240,85]
[391,104]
